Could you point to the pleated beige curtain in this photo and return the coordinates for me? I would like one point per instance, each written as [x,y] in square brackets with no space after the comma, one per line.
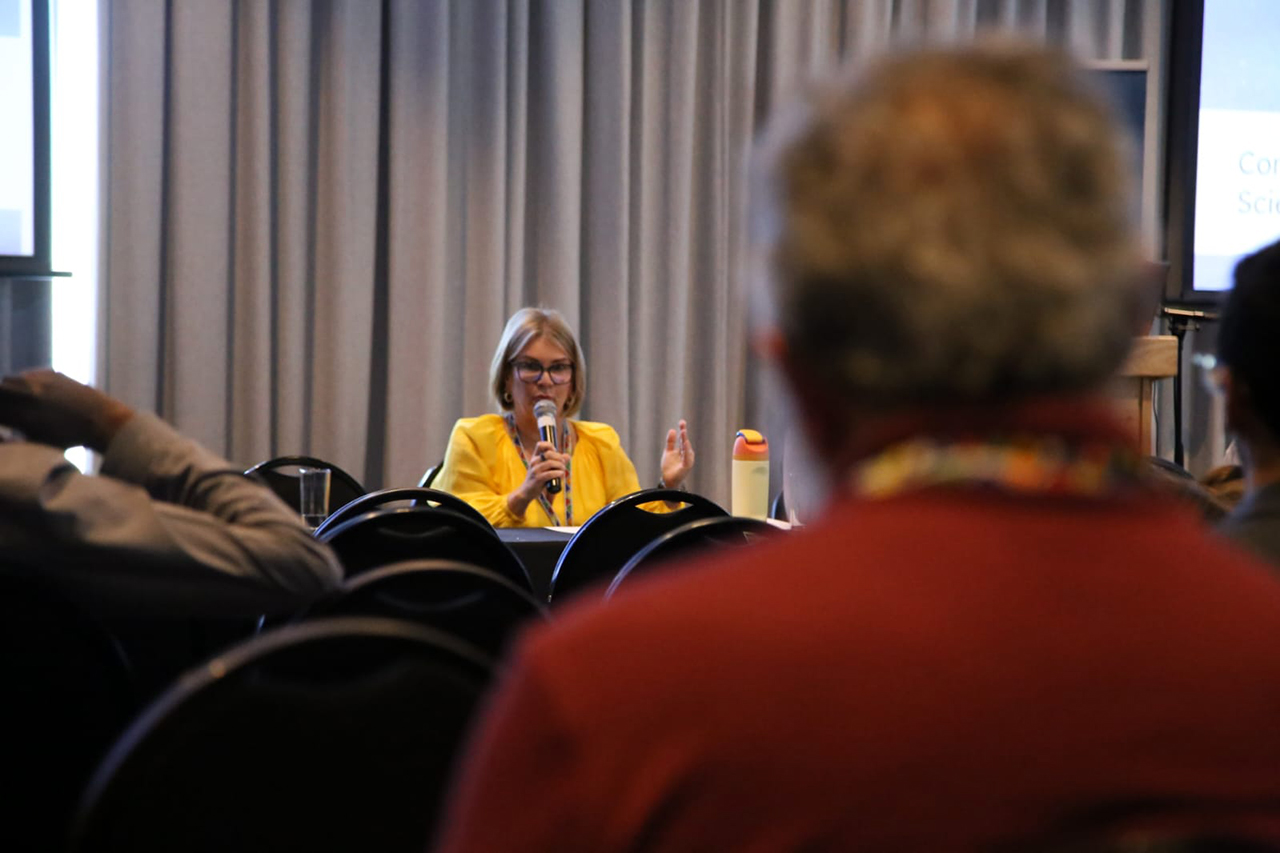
[320,212]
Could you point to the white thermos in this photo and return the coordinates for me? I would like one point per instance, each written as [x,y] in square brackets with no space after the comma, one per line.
[750,475]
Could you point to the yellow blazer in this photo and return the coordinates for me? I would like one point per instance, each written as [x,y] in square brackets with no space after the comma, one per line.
[482,466]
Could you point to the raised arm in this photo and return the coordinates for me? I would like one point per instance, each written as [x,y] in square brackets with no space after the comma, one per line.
[677,456]
[169,525]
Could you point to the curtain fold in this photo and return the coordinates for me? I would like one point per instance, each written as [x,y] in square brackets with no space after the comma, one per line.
[321,213]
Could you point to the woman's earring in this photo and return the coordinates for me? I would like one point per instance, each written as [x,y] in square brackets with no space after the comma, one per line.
[507,398]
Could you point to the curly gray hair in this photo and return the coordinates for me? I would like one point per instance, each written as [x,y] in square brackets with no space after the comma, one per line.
[956,226]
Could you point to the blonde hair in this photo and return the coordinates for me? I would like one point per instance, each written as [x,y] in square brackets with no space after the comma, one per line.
[956,226]
[524,327]
[1226,483]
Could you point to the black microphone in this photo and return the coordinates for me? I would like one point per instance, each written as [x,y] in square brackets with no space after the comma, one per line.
[544,411]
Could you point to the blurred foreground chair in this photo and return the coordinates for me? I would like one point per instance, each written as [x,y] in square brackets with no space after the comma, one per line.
[419,496]
[67,693]
[611,537]
[471,603]
[336,734]
[696,537]
[281,476]
[385,536]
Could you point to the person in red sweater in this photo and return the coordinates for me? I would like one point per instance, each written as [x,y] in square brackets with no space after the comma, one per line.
[999,635]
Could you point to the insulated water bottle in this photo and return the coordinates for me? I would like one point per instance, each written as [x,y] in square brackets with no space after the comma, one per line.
[750,475]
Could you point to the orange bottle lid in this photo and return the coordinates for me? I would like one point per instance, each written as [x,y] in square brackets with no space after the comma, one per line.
[750,446]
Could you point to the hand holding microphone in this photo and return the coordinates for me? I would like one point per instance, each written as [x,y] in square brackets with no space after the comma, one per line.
[546,465]
[544,412]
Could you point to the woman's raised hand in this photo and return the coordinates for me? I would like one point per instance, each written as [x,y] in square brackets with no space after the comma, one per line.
[677,458]
[545,465]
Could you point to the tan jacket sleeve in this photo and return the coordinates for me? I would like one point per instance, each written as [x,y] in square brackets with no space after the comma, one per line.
[169,527]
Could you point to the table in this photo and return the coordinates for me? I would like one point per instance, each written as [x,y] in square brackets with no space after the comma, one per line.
[539,549]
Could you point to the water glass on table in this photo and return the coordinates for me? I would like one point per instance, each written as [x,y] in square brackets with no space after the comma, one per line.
[313,485]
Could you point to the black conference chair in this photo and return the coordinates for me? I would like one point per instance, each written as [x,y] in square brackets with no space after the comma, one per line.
[696,537]
[611,537]
[778,509]
[281,476]
[419,496]
[474,604]
[385,536]
[66,693]
[336,734]
[429,476]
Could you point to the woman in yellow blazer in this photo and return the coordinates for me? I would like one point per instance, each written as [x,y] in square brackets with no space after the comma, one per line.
[498,463]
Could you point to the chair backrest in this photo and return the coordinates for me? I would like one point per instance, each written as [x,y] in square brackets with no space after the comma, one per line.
[429,476]
[336,734]
[469,602]
[602,546]
[385,536]
[778,509]
[705,534]
[66,692]
[281,476]
[419,496]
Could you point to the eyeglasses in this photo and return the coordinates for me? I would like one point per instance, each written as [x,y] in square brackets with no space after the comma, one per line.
[528,370]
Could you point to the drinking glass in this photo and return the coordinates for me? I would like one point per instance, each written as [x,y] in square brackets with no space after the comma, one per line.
[313,485]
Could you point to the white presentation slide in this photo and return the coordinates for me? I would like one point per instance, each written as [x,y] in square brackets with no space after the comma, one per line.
[1238,157]
[17,172]
[17,145]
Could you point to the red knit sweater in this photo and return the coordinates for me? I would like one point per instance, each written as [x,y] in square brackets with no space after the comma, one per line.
[941,670]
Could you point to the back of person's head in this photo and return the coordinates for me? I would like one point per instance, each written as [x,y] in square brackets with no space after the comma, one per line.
[954,226]
[1248,343]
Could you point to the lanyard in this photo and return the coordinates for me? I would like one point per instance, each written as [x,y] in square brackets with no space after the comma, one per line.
[566,447]
[1035,464]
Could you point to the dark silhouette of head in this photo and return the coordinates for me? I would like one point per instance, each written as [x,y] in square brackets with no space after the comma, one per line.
[1249,346]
